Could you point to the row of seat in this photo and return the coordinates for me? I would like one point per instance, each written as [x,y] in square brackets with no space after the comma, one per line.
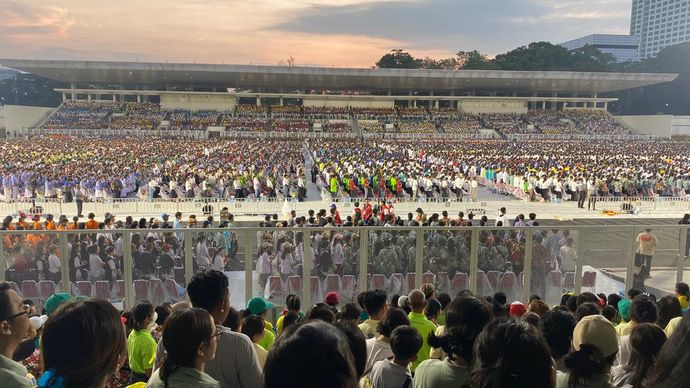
[155,290]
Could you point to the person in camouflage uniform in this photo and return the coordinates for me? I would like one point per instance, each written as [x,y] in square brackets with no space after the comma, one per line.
[483,252]
[387,260]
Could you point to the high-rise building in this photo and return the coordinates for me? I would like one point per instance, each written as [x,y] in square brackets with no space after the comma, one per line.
[622,47]
[659,24]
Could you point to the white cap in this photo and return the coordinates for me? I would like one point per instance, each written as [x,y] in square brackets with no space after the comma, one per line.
[38,321]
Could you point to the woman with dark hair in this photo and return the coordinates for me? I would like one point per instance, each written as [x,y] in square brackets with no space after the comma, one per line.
[465,319]
[595,345]
[557,328]
[311,355]
[671,367]
[82,346]
[190,339]
[141,347]
[292,303]
[379,347]
[512,353]
[646,340]
[669,308]
[432,310]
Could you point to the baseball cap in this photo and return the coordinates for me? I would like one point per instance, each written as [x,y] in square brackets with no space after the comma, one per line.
[165,216]
[56,300]
[38,322]
[624,309]
[332,298]
[258,305]
[517,309]
[597,331]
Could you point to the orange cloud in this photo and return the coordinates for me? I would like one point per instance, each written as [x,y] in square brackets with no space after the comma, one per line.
[24,21]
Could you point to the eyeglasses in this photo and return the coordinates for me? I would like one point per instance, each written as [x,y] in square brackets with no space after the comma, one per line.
[218,333]
[25,310]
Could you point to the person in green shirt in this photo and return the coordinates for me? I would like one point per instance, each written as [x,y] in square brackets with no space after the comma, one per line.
[190,337]
[419,321]
[141,347]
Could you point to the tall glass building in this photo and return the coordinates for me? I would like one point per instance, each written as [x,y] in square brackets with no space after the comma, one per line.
[659,24]
[623,47]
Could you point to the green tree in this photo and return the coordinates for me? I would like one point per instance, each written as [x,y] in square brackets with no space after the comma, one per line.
[589,58]
[473,60]
[535,56]
[398,59]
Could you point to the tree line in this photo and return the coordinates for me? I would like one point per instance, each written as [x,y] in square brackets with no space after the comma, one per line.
[669,98]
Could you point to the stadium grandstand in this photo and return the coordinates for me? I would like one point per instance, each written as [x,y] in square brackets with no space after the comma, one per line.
[510,207]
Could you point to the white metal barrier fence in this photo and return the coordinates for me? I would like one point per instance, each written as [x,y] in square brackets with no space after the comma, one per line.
[516,261]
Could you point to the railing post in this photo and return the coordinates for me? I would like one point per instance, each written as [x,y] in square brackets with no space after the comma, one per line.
[579,260]
[419,258]
[188,253]
[248,266]
[307,262]
[682,241]
[474,260]
[629,275]
[527,269]
[64,262]
[127,264]
[3,259]
[363,260]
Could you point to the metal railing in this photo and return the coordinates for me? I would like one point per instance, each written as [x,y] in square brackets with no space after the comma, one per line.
[637,205]
[156,264]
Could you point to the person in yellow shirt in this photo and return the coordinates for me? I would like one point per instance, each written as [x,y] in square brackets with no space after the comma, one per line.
[420,322]
[682,293]
[292,303]
[260,306]
[141,347]
[253,327]
[376,304]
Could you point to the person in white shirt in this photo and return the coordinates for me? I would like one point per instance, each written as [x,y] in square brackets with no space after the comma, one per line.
[218,263]
[203,258]
[568,256]
[502,217]
[54,265]
[95,264]
[379,348]
[395,373]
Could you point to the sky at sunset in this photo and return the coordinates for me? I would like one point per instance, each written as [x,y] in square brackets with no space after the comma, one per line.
[341,33]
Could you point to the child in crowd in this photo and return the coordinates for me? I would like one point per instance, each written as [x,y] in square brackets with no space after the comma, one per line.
[395,372]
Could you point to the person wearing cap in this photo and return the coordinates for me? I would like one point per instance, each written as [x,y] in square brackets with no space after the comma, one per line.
[332,299]
[56,300]
[595,345]
[260,306]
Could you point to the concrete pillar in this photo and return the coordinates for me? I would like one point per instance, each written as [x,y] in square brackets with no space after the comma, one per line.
[114,97]
[139,98]
[64,97]
[258,101]
[414,103]
[606,106]
[281,101]
[436,103]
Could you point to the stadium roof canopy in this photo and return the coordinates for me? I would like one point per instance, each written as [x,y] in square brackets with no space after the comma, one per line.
[162,75]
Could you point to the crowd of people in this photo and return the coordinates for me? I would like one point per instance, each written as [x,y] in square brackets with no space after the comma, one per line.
[84,169]
[422,339]
[297,118]
[540,170]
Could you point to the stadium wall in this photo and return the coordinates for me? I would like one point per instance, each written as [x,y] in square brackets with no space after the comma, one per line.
[18,117]
[681,126]
[655,125]
[198,102]
[355,103]
[493,106]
